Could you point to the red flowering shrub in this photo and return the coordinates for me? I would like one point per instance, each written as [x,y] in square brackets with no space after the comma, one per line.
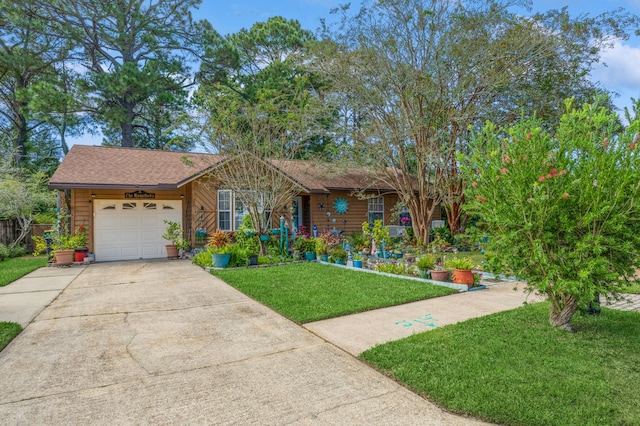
[565,216]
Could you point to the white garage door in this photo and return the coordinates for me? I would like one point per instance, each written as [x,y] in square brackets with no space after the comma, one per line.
[132,229]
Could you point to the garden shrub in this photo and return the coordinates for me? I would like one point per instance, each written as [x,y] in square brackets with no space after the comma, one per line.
[7,252]
[560,208]
[203,259]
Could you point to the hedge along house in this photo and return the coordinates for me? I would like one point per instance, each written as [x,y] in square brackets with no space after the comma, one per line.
[123,195]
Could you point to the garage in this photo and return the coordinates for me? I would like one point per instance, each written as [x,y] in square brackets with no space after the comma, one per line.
[132,228]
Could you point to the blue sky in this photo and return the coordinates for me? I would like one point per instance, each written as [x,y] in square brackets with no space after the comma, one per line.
[622,73]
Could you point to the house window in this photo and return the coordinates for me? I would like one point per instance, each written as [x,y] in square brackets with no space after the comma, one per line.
[239,212]
[129,206]
[224,210]
[150,206]
[376,209]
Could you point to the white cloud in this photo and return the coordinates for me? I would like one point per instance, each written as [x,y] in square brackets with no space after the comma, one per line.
[622,70]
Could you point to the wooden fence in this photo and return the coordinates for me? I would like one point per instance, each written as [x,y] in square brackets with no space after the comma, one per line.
[10,230]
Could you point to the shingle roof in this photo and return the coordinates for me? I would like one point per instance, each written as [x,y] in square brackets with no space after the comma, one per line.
[323,177]
[114,167]
[123,168]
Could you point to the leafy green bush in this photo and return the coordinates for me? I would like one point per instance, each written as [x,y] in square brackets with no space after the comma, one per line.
[45,218]
[560,209]
[203,258]
[7,252]
[239,256]
[338,253]
[426,262]
[460,263]
[392,268]
[358,240]
[4,252]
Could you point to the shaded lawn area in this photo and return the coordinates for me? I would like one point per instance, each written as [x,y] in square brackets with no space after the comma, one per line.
[514,368]
[306,292]
[8,330]
[12,269]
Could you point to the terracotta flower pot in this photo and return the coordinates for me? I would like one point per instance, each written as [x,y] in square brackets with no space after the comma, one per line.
[172,251]
[439,275]
[463,276]
[64,257]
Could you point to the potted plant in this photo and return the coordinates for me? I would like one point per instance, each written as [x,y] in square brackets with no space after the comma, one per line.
[425,264]
[462,270]
[79,238]
[357,260]
[175,234]
[221,256]
[64,246]
[339,255]
[322,249]
[309,248]
[219,245]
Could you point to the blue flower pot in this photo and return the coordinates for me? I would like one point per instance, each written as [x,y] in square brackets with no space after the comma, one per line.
[339,262]
[221,260]
[357,263]
[324,257]
[310,255]
[264,238]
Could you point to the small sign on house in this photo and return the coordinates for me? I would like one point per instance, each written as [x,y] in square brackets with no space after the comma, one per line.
[139,194]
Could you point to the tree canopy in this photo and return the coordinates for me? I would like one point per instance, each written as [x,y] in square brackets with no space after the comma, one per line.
[135,56]
[419,74]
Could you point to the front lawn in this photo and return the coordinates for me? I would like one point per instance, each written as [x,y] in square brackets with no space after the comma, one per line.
[513,368]
[306,292]
[8,330]
[12,269]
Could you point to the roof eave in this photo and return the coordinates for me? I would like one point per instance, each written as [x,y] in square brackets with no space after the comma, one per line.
[64,185]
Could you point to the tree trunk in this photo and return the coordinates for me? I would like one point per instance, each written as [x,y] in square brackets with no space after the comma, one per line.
[455,218]
[127,124]
[21,139]
[562,310]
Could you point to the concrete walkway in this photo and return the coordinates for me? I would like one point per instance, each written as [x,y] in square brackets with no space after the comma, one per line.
[164,342]
[359,332]
[22,300]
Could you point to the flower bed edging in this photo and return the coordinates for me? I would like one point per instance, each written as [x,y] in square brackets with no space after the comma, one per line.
[459,287]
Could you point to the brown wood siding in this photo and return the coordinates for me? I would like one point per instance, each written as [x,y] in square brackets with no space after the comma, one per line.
[205,206]
[356,215]
[82,213]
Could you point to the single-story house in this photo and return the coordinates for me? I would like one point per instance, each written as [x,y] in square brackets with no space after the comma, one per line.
[123,195]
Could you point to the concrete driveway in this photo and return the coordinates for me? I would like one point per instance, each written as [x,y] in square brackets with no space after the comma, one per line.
[164,342]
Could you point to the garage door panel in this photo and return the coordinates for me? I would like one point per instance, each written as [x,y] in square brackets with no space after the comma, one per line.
[151,235]
[129,236]
[130,222]
[134,232]
[151,252]
[108,221]
[130,252]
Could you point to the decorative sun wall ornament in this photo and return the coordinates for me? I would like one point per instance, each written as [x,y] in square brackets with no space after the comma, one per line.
[340,205]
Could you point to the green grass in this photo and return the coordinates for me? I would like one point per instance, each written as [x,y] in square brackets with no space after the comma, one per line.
[514,368]
[306,292]
[8,330]
[12,269]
